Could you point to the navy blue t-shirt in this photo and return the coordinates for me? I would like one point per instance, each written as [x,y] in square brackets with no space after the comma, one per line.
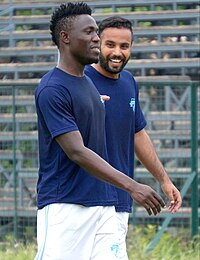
[124,118]
[67,103]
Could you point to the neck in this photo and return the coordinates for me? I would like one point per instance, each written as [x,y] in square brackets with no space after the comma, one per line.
[71,67]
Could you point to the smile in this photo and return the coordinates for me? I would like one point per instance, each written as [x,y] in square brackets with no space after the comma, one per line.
[115,61]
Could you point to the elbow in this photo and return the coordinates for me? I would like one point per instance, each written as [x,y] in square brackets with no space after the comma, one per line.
[75,155]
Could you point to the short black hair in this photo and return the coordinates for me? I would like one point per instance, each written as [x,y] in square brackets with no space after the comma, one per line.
[62,17]
[115,22]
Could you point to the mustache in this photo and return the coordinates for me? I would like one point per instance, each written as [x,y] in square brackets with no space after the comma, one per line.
[119,57]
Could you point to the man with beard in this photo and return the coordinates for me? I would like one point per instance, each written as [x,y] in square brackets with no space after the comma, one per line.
[124,119]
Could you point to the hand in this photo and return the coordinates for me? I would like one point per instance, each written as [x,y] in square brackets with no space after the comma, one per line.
[145,196]
[173,195]
[105,97]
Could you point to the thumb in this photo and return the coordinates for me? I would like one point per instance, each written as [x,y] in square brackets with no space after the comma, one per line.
[170,197]
[105,97]
[171,200]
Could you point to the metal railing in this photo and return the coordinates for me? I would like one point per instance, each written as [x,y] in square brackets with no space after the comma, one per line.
[172,112]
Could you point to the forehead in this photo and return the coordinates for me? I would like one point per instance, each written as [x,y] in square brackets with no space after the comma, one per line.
[117,35]
[84,21]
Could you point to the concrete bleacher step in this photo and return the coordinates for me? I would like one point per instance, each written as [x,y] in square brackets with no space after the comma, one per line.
[19,117]
[141,34]
[144,80]
[165,134]
[19,136]
[7,192]
[154,17]
[21,70]
[140,213]
[35,5]
[21,100]
[164,153]
[179,135]
[160,116]
[46,53]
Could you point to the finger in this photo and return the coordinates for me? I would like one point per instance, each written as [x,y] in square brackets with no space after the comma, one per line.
[173,196]
[171,207]
[158,207]
[148,209]
[159,200]
[155,206]
[177,202]
[105,97]
[172,203]
[155,211]
[175,206]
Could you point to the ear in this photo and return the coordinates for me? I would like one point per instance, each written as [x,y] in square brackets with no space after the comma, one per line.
[64,36]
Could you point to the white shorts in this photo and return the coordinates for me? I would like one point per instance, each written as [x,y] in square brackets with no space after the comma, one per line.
[122,219]
[74,232]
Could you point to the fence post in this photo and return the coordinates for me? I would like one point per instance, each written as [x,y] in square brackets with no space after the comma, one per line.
[14,162]
[194,156]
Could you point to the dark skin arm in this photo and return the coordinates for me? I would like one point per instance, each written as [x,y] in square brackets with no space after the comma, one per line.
[146,153]
[72,144]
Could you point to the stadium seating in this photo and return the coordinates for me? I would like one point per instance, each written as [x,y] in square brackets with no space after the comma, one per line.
[166,43]
[165,30]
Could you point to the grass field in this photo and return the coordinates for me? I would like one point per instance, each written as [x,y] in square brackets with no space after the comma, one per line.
[170,247]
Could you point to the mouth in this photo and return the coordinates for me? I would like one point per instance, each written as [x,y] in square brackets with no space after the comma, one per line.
[96,49]
[115,60]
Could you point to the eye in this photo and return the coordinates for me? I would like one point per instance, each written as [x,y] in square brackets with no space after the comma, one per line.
[89,31]
[124,46]
[109,44]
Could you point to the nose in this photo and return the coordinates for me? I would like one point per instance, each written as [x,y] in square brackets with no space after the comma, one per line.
[117,51]
[96,37]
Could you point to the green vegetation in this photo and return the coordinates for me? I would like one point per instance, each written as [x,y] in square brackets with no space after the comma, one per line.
[170,247]
[11,249]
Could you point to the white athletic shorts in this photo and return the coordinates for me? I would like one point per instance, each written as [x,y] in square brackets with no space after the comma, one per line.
[122,219]
[74,232]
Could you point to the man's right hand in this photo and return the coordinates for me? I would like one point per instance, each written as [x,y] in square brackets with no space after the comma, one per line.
[145,196]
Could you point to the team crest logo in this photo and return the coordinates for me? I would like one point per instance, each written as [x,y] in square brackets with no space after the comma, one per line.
[115,248]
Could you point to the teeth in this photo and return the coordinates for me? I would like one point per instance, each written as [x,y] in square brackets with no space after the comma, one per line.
[116,61]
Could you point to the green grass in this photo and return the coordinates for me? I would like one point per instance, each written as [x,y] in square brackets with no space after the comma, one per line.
[18,252]
[170,247]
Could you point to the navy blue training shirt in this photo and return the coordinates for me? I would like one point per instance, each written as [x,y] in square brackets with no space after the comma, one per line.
[67,103]
[124,118]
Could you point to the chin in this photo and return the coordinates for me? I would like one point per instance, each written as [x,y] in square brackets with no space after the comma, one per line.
[92,60]
[96,60]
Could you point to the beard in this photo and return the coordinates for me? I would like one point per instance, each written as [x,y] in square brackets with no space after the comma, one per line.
[104,64]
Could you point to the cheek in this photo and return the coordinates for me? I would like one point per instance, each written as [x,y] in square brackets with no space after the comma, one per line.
[81,43]
[105,52]
[127,54]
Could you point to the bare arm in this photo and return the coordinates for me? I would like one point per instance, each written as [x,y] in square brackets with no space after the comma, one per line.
[146,153]
[72,145]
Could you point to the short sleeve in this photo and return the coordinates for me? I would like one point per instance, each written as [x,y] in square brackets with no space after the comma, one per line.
[56,109]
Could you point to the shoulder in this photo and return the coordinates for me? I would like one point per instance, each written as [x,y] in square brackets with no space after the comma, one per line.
[52,88]
[126,73]
[128,76]
[88,69]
